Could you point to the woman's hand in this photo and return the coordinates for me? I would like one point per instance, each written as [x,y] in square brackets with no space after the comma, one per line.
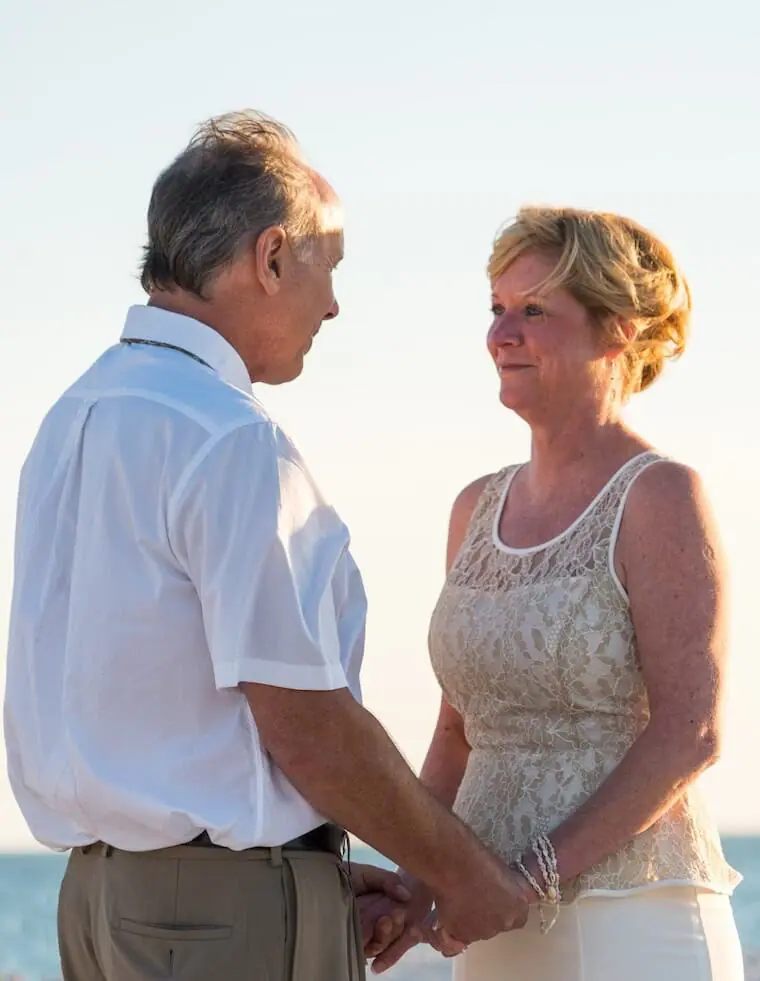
[382,899]
[416,928]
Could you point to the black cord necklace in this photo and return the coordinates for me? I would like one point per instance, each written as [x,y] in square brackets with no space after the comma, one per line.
[171,347]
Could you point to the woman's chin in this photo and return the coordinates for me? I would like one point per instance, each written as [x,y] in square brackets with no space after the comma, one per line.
[511,398]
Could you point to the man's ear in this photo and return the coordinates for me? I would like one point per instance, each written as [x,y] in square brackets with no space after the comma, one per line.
[269,255]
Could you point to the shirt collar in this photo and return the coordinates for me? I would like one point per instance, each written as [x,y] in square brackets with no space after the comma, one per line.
[148,323]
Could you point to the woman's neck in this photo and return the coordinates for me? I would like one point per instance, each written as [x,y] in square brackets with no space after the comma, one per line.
[575,449]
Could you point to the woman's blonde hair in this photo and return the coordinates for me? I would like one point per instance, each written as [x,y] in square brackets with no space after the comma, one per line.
[620,272]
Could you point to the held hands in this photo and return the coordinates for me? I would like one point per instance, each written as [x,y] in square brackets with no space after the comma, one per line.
[397,911]
[494,899]
[421,926]
[383,901]
[416,928]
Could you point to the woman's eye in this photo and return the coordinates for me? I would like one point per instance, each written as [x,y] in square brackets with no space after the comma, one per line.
[533,310]
[497,310]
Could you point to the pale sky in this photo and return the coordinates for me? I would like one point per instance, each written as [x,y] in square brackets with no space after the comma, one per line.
[434,120]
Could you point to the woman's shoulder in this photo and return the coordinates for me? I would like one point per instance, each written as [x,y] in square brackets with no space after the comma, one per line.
[474,501]
[667,498]
[467,499]
[477,491]
[663,484]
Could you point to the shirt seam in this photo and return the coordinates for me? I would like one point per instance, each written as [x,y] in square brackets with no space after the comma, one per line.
[214,439]
[74,434]
[94,395]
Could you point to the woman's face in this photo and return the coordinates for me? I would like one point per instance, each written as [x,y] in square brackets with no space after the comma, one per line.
[548,353]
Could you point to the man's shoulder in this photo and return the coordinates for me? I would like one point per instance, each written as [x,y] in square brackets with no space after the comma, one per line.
[144,421]
[160,389]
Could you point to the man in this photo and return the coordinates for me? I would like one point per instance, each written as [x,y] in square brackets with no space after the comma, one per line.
[183,704]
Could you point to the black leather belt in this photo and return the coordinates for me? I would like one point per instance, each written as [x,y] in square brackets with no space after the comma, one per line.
[325,838]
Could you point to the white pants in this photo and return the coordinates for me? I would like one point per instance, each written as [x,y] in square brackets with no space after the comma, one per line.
[673,933]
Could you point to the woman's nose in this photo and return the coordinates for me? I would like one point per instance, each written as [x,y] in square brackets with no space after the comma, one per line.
[505,330]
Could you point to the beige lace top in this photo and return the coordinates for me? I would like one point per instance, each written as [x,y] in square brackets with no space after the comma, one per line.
[535,648]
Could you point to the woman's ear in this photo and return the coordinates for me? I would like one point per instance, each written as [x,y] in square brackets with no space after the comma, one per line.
[620,333]
[628,329]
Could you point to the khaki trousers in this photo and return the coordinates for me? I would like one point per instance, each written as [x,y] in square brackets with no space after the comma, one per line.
[195,913]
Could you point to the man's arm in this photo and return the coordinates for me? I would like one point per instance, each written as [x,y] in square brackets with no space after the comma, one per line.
[260,545]
[343,762]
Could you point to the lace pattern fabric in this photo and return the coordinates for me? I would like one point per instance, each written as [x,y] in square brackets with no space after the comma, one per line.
[536,649]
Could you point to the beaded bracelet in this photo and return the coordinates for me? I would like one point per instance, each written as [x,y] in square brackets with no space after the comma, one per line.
[531,880]
[547,862]
[548,894]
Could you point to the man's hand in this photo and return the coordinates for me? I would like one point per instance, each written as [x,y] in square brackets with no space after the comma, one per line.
[370,878]
[382,899]
[493,900]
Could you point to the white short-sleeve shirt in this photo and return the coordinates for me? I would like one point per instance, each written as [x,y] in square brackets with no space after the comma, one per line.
[170,543]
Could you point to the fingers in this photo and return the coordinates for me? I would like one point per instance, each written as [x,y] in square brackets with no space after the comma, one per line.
[521,920]
[393,954]
[381,921]
[368,917]
[443,942]
[376,912]
[369,878]
[387,930]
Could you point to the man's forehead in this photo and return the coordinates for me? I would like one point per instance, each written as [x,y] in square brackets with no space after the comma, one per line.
[333,245]
[332,229]
[332,217]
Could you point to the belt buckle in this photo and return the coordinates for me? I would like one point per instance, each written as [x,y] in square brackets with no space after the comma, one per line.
[99,847]
[336,839]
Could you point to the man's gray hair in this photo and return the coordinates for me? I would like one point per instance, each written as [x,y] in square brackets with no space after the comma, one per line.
[240,174]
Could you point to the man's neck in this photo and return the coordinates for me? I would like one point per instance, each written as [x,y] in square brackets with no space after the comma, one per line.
[210,313]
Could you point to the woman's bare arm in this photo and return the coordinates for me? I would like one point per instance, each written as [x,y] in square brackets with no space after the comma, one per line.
[446,757]
[673,568]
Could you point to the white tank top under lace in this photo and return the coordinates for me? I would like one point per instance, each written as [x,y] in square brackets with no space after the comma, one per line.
[535,648]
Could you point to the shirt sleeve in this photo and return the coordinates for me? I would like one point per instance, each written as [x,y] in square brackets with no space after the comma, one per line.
[351,604]
[262,549]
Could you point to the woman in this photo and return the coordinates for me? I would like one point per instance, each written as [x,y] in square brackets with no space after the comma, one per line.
[580,638]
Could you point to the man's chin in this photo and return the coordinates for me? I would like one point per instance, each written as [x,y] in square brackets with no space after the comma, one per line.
[283,374]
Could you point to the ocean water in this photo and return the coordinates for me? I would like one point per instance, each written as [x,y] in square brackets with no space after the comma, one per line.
[29,889]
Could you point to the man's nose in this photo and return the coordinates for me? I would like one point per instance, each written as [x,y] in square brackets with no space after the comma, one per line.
[333,312]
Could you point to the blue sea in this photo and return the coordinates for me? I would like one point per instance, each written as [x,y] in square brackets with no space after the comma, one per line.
[29,889]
